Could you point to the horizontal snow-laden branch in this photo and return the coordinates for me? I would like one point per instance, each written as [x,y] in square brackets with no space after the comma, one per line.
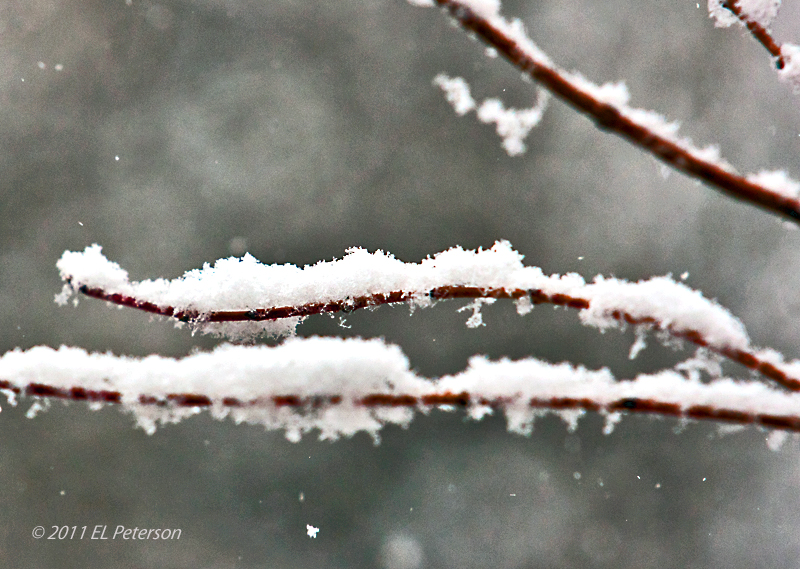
[241,297]
[757,16]
[607,106]
[344,386]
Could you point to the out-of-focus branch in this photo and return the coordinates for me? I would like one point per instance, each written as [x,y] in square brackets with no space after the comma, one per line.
[759,32]
[578,93]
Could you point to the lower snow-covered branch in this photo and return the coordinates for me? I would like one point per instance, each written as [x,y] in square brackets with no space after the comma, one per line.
[344,386]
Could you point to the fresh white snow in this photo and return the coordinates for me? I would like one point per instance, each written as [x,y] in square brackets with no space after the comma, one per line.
[352,369]
[762,12]
[513,125]
[245,283]
[791,68]
[777,181]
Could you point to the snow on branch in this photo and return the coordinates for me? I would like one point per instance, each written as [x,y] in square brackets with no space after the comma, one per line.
[757,16]
[513,125]
[241,297]
[344,386]
[607,106]
[760,13]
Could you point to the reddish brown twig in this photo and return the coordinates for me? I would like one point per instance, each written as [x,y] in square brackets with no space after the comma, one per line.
[747,358]
[608,117]
[758,31]
[346,305]
[461,400]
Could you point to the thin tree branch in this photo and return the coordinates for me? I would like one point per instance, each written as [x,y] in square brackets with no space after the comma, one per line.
[446,398]
[610,117]
[748,358]
[758,31]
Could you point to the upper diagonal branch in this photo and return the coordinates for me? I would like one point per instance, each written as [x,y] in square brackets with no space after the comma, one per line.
[757,16]
[260,295]
[759,31]
[343,386]
[607,107]
[748,358]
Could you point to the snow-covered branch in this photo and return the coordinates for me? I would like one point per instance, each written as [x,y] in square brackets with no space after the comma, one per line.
[607,106]
[757,16]
[344,386]
[513,125]
[241,298]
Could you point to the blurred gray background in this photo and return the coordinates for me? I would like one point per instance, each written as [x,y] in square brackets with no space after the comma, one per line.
[175,133]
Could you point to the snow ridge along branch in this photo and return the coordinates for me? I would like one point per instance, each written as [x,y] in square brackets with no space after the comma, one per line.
[241,298]
[344,386]
[607,106]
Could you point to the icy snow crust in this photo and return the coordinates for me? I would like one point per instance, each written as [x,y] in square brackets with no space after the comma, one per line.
[352,369]
[244,284]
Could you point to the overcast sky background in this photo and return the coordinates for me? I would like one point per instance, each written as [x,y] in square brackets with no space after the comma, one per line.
[176,133]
